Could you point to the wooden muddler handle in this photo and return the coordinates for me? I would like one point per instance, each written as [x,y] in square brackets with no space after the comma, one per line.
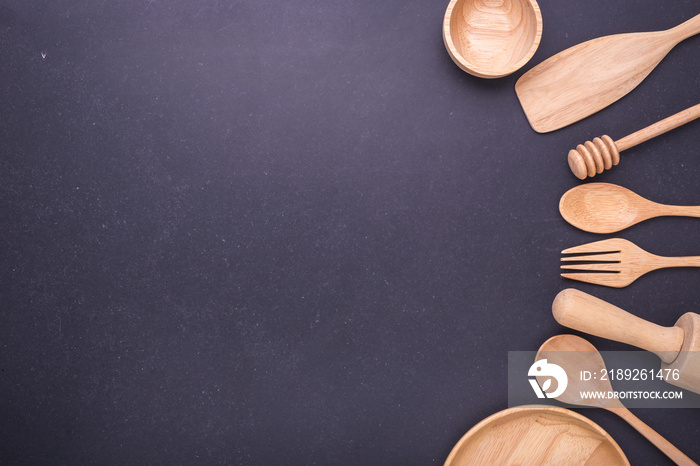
[575,309]
[603,153]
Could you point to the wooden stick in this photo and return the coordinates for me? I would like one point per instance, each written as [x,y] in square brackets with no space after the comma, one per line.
[603,153]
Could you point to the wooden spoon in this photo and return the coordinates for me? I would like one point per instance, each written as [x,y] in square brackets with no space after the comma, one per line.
[588,77]
[608,208]
[536,434]
[574,354]
[492,38]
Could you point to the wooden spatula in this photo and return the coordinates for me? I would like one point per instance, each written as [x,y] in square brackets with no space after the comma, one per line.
[588,77]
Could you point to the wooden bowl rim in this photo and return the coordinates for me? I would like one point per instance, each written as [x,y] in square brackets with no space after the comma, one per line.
[531,410]
[482,72]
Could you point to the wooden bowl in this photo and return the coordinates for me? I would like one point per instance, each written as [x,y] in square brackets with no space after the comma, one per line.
[492,38]
[536,434]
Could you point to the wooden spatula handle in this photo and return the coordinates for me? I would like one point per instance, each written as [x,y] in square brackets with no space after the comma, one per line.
[687,29]
[583,312]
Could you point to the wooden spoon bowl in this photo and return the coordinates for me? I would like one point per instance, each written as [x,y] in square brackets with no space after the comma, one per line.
[492,38]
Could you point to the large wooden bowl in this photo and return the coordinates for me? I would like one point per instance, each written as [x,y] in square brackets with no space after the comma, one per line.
[492,38]
[536,434]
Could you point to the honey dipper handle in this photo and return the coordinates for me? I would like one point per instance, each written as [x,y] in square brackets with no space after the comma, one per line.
[659,128]
[580,311]
[654,437]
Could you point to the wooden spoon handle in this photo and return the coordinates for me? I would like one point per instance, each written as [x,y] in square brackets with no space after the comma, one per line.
[580,311]
[654,437]
[678,210]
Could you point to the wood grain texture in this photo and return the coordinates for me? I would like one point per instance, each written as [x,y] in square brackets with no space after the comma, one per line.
[616,262]
[592,157]
[492,38]
[587,77]
[609,208]
[536,434]
[574,354]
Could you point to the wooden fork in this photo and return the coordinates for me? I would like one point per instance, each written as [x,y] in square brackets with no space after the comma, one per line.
[617,262]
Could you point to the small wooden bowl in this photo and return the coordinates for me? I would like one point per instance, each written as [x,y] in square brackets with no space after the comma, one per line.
[492,38]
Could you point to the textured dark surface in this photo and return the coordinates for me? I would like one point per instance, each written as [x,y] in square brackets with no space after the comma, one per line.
[294,232]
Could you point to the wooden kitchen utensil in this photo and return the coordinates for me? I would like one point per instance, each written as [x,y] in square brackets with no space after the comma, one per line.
[536,434]
[588,77]
[608,208]
[603,153]
[677,346]
[492,38]
[617,262]
[574,354]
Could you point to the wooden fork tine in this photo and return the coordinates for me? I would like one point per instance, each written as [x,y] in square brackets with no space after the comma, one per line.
[613,262]
[605,279]
[606,245]
[594,267]
[608,256]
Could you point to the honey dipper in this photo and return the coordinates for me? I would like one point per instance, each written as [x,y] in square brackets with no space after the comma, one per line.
[603,153]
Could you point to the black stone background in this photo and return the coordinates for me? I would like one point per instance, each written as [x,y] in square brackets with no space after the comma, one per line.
[294,232]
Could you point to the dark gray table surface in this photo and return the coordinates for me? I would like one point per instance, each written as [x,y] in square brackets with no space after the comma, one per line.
[294,232]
